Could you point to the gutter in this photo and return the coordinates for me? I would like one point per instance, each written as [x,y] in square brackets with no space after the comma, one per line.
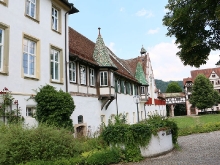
[71,11]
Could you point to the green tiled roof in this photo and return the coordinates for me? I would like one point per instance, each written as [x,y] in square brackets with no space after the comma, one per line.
[139,74]
[101,54]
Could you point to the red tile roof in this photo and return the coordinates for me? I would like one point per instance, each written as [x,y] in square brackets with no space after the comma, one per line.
[83,48]
[189,79]
[206,72]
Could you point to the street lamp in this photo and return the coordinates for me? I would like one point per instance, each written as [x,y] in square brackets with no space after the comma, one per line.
[136,99]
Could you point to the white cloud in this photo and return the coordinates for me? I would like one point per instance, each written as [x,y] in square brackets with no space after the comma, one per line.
[111,46]
[166,10]
[168,66]
[144,12]
[153,31]
[122,9]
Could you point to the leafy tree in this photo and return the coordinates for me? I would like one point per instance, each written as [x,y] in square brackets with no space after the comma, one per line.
[54,107]
[203,95]
[195,24]
[173,87]
[179,109]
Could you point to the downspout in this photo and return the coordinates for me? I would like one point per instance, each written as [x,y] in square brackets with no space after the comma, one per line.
[71,11]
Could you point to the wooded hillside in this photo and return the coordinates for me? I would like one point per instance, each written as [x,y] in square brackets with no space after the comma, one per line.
[162,85]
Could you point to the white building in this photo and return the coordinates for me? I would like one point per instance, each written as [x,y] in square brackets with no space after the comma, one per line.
[32,37]
[33,53]
[103,85]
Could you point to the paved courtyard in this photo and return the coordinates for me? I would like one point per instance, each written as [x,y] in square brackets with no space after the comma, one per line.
[196,149]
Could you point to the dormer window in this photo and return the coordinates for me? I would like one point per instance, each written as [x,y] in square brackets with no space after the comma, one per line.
[104,78]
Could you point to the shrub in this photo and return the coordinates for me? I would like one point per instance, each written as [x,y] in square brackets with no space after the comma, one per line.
[42,143]
[54,107]
[104,156]
[133,136]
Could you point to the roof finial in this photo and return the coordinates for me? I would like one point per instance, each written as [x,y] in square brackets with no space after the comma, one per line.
[99,30]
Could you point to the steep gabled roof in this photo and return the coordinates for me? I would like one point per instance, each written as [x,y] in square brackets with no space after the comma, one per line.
[206,72]
[139,74]
[83,48]
[185,80]
[101,53]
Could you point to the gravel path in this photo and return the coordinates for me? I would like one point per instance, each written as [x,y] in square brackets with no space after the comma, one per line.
[196,149]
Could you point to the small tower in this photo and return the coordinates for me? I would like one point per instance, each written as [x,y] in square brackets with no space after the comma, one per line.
[143,51]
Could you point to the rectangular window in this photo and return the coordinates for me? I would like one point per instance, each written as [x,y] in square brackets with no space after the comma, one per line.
[55,65]
[104,78]
[72,72]
[112,79]
[30,111]
[127,118]
[29,57]
[122,86]
[102,118]
[142,90]
[118,86]
[55,19]
[128,88]
[82,74]
[1,48]
[91,77]
[31,8]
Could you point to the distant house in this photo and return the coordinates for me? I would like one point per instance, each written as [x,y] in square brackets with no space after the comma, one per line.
[213,74]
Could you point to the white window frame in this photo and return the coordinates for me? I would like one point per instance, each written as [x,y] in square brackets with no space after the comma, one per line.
[72,71]
[82,75]
[29,8]
[118,86]
[29,54]
[91,77]
[112,79]
[55,19]
[30,111]
[1,50]
[125,89]
[104,78]
[53,64]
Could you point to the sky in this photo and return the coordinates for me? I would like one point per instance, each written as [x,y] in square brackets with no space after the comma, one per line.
[126,25]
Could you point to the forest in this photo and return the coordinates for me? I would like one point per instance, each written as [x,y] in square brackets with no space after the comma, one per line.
[162,85]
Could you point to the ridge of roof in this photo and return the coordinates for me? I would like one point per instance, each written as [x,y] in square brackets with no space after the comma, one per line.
[117,59]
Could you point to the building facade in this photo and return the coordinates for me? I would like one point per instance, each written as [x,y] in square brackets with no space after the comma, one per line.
[38,48]
[213,74]
[32,47]
[103,85]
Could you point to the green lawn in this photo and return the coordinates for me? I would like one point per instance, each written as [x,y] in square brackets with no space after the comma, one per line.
[197,124]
